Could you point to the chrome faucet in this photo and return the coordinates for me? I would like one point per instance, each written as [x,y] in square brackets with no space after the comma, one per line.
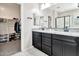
[66,29]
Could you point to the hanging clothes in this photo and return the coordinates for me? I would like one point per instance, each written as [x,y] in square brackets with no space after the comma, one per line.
[17,27]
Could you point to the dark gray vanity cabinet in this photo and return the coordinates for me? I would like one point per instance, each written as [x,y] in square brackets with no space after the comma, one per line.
[56,44]
[36,39]
[69,49]
[46,39]
[77,40]
[64,45]
[42,41]
[46,50]
[46,43]
[57,48]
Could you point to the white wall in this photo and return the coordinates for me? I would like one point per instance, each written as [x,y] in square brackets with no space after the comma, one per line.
[9,10]
[3,28]
[27,24]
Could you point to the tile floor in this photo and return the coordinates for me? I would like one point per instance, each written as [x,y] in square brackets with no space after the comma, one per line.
[10,48]
[31,52]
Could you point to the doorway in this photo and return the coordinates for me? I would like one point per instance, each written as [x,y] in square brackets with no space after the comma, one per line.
[10,29]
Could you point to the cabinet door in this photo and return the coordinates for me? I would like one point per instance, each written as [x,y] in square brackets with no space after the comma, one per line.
[57,48]
[37,45]
[69,49]
[46,39]
[46,43]
[77,40]
[36,39]
[46,49]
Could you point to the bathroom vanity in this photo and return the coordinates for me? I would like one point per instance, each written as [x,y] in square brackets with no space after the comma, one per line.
[55,43]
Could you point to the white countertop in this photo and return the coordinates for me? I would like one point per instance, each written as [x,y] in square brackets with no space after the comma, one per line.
[75,34]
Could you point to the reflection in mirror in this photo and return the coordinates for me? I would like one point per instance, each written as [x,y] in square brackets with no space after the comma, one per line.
[59,22]
[41,22]
[62,23]
[49,22]
[75,21]
[67,21]
[34,19]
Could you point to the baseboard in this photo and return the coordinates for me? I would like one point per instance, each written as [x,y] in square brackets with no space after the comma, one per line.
[26,49]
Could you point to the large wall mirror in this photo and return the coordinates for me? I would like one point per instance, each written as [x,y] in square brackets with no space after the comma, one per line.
[75,22]
[62,22]
[67,21]
[43,21]
[36,20]
[59,22]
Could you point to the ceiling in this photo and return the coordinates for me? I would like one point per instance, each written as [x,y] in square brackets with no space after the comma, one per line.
[61,7]
[9,5]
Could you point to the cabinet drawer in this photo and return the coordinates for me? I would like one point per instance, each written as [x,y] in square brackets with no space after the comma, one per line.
[38,41]
[36,33]
[66,38]
[37,45]
[46,35]
[70,43]
[57,48]
[37,38]
[69,49]
[46,41]
[46,49]
[62,36]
